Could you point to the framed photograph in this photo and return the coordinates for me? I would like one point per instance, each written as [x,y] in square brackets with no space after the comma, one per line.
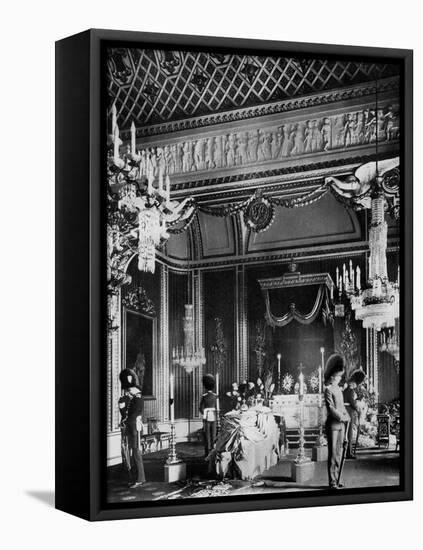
[234,275]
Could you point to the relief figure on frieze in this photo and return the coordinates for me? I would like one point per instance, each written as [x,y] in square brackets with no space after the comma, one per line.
[297,140]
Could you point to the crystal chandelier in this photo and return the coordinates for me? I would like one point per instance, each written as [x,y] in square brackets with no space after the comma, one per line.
[141,184]
[189,356]
[377,305]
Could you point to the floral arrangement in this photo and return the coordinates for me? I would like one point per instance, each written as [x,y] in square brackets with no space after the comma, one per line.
[314,383]
[287,383]
[251,392]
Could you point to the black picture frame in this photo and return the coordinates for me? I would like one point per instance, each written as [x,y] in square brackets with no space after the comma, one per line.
[147,327]
[80,278]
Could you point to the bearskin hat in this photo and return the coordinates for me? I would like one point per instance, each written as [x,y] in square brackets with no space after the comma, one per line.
[128,378]
[357,376]
[335,363]
[208,382]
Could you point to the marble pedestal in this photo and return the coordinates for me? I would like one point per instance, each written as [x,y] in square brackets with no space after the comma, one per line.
[175,472]
[302,471]
[319,453]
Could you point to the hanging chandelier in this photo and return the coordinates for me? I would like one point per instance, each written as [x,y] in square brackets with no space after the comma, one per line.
[139,182]
[377,304]
[189,356]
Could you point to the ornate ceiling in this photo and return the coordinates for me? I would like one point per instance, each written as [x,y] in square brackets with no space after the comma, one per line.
[156,86]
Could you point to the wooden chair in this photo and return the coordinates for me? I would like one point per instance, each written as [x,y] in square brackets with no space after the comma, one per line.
[383,429]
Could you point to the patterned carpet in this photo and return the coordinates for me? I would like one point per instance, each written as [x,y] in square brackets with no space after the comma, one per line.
[373,468]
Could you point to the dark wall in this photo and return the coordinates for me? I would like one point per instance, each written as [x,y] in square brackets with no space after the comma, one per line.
[178,297]
[219,301]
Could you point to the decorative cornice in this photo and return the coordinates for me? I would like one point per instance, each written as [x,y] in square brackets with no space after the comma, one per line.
[296,279]
[314,100]
[293,170]
[339,250]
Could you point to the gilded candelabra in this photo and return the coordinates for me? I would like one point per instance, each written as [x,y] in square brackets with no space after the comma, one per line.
[172,457]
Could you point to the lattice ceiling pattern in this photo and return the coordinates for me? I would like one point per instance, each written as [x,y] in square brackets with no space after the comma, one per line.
[156,86]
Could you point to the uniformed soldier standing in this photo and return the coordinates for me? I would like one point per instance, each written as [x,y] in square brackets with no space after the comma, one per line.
[337,416]
[135,412]
[208,411]
[351,404]
[133,417]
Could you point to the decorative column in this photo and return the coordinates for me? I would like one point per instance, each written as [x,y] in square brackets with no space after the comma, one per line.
[197,375]
[241,323]
[163,386]
[375,365]
[114,361]
[372,362]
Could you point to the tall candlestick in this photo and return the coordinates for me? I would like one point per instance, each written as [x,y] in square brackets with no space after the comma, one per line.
[301,389]
[337,276]
[217,404]
[279,365]
[351,270]
[172,405]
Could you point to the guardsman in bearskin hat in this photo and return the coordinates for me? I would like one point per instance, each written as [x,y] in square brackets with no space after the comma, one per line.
[208,411]
[350,402]
[133,418]
[337,416]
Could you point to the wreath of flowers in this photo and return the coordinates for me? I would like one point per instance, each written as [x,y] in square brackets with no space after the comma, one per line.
[314,383]
[287,383]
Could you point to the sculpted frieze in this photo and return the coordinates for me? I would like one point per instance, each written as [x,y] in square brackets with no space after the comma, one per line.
[277,142]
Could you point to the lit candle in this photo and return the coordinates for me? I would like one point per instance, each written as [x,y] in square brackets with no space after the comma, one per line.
[217,383]
[301,378]
[172,406]
[116,144]
[167,189]
[150,178]
[331,292]
[114,118]
[351,270]
[161,181]
[398,276]
[322,366]
[279,365]
[358,273]
[133,139]
[337,276]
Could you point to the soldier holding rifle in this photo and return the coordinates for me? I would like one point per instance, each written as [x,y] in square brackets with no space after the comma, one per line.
[337,419]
